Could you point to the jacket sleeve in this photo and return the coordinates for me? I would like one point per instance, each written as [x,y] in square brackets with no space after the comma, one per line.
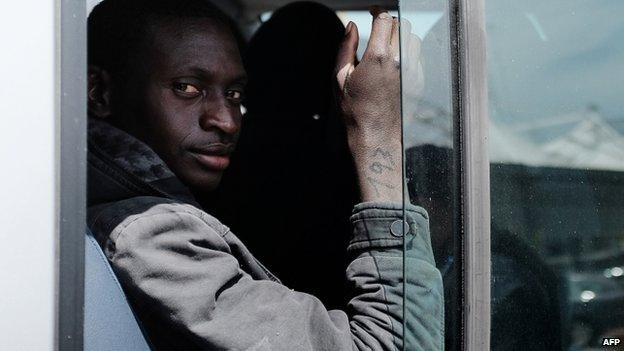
[179,274]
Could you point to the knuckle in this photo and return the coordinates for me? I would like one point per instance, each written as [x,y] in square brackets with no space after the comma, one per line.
[385,18]
[380,56]
[386,22]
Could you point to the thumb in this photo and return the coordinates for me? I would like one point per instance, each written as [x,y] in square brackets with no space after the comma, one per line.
[345,63]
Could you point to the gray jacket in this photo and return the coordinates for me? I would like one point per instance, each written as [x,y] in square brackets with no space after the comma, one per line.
[194,285]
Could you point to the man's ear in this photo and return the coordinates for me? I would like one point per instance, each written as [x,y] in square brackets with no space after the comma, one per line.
[99,91]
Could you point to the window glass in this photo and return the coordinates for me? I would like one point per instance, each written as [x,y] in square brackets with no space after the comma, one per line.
[557,172]
[429,152]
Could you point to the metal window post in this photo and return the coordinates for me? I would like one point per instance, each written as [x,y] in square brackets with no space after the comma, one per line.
[71,160]
[475,168]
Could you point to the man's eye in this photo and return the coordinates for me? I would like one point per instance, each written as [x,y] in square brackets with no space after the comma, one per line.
[186,89]
[235,95]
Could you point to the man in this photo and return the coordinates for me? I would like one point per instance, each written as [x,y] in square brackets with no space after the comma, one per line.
[165,87]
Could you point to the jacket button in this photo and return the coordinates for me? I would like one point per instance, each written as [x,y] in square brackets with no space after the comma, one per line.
[399,228]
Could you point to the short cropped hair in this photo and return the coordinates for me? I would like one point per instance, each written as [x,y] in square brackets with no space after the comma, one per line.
[117,28]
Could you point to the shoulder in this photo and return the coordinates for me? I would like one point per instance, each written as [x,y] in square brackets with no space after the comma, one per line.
[143,217]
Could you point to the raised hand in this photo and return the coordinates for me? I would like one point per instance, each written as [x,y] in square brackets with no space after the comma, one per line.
[369,97]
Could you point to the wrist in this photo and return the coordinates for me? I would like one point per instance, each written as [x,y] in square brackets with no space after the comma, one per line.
[363,145]
[380,171]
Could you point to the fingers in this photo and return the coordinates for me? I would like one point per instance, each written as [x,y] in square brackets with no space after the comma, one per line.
[413,70]
[381,33]
[406,26]
[395,41]
[345,62]
[410,45]
[413,47]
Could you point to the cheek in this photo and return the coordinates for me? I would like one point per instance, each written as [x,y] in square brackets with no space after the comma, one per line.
[175,118]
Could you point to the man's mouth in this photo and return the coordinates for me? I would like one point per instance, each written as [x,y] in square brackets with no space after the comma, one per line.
[213,156]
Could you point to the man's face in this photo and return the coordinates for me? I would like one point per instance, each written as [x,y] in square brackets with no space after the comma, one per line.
[184,101]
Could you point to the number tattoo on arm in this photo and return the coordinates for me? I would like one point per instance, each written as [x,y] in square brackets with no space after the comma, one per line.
[378,167]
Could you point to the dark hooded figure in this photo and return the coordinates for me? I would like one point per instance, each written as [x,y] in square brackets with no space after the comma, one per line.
[291,185]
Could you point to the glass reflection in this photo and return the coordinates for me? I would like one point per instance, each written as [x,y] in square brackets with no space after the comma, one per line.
[557,173]
[428,139]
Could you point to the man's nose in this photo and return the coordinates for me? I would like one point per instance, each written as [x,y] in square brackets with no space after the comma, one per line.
[220,114]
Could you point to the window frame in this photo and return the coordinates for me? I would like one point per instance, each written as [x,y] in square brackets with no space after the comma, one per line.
[470,108]
[71,202]
[471,94]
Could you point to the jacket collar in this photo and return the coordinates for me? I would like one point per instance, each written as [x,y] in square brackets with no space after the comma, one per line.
[120,166]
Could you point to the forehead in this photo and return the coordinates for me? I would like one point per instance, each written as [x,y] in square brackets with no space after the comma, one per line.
[177,44]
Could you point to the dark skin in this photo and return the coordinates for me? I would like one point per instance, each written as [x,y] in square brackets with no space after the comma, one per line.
[183,101]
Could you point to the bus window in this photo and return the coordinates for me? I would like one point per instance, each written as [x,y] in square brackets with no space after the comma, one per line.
[429,149]
[557,173]
[290,187]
